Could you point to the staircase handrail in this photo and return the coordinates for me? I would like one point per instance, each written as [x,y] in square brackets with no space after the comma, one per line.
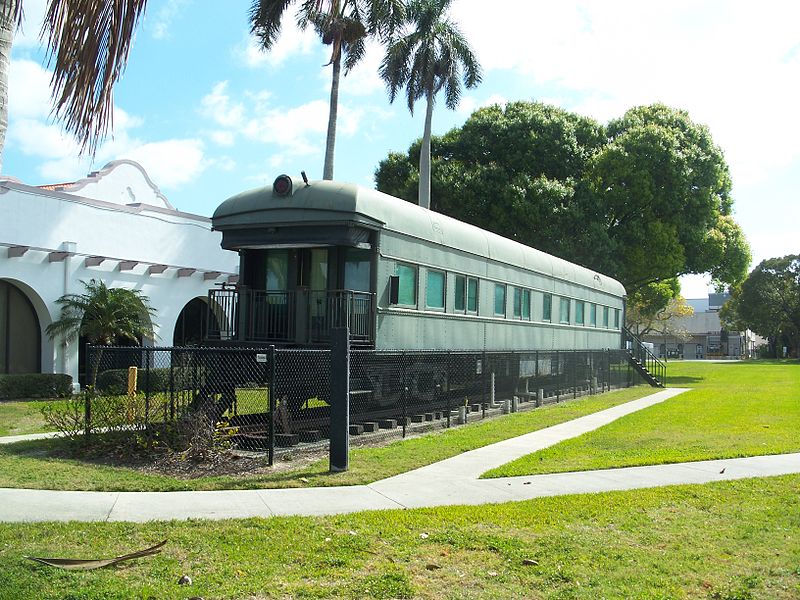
[656,367]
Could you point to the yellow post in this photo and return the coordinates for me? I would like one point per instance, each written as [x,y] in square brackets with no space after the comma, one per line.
[132,377]
[133,374]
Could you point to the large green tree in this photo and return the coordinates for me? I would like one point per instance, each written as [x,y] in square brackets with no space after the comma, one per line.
[342,24]
[431,57]
[644,199]
[768,302]
[104,316]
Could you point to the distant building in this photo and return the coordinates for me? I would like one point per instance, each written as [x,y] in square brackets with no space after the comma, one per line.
[702,334]
[116,226]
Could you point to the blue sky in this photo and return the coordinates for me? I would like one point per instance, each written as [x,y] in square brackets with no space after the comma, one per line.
[208,115]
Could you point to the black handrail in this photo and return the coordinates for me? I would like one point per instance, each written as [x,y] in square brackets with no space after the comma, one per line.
[642,355]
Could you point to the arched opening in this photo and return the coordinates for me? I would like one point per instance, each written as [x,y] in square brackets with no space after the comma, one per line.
[192,324]
[20,332]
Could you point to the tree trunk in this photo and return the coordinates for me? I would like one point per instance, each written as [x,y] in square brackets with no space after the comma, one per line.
[7,27]
[330,143]
[425,158]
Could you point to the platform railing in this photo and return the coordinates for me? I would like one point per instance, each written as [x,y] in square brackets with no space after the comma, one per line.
[292,317]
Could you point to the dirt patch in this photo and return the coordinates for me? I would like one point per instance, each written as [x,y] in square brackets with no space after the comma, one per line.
[227,463]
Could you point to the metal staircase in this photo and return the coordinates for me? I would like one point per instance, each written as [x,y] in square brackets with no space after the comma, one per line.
[643,361]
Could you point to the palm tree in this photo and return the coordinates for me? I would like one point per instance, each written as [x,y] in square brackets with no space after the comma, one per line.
[428,59]
[10,19]
[87,43]
[342,24]
[104,316]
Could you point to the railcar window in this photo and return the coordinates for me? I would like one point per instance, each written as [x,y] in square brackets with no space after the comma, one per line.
[526,305]
[472,295]
[580,312]
[605,316]
[564,314]
[593,315]
[616,318]
[407,292]
[277,269]
[466,294]
[517,303]
[461,290]
[547,307]
[499,300]
[357,265]
[434,290]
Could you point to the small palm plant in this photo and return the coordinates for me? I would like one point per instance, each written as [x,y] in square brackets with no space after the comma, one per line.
[104,316]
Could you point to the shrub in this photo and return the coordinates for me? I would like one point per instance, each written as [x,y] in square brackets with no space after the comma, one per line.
[35,385]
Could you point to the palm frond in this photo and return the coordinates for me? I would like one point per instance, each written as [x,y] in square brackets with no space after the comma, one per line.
[88,42]
[11,12]
[104,315]
[265,20]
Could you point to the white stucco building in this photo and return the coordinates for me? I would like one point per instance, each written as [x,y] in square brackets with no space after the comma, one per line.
[115,226]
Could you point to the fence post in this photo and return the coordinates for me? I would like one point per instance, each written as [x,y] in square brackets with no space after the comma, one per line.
[484,383]
[575,358]
[87,396]
[404,391]
[340,399]
[171,384]
[558,377]
[147,393]
[273,394]
[447,391]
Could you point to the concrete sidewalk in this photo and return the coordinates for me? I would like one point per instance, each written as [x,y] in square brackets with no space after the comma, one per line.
[450,482]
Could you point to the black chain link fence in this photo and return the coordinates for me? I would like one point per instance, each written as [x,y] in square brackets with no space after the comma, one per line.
[268,399]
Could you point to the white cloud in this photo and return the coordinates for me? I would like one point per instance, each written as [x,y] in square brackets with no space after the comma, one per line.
[733,65]
[218,106]
[364,79]
[170,163]
[28,90]
[223,138]
[291,42]
[163,18]
[470,104]
[300,130]
[467,105]
[36,138]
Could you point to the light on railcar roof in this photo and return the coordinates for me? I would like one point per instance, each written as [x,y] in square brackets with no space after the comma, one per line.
[282,185]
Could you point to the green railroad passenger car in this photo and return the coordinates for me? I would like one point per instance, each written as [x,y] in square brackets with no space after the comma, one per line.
[325,254]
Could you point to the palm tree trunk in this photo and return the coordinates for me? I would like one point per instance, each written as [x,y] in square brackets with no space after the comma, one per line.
[7,27]
[330,143]
[425,158]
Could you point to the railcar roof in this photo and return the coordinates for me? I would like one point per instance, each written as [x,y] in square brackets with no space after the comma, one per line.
[325,202]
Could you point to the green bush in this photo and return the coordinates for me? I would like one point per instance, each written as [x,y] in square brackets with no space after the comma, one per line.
[35,385]
[115,381]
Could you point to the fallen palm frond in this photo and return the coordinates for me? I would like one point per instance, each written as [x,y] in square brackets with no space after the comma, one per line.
[76,564]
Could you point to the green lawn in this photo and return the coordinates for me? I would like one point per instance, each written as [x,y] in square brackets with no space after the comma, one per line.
[735,409]
[29,464]
[18,418]
[721,541]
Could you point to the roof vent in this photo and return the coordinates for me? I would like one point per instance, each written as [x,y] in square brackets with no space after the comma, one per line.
[282,186]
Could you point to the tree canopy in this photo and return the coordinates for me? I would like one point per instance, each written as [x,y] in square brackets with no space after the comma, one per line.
[768,301]
[644,199]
